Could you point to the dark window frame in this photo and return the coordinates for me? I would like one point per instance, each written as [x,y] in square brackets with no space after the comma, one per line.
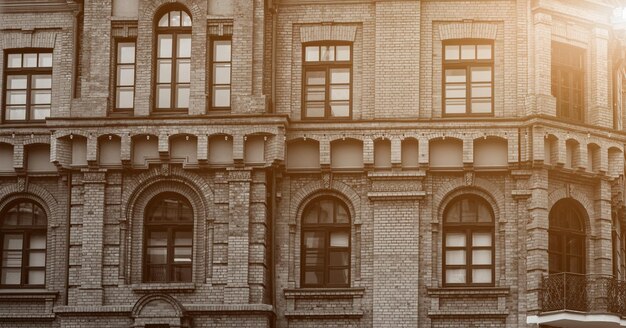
[174,31]
[171,228]
[326,229]
[326,66]
[574,74]
[467,65]
[212,62]
[28,72]
[27,232]
[116,65]
[566,236]
[468,229]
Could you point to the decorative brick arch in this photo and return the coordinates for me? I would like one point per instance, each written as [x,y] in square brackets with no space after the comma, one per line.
[33,192]
[320,187]
[480,187]
[36,39]
[37,140]
[7,140]
[575,194]
[468,30]
[313,33]
[158,308]
[154,6]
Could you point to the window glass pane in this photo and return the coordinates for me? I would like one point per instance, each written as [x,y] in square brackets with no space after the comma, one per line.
[125,75]
[175,18]
[455,239]
[482,90]
[481,276]
[183,48]
[126,53]
[164,71]
[339,109]
[37,259]
[163,96]
[455,90]
[468,52]
[480,239]
[481,105]
[221,73]
[164,21]
[315,78]
[452,215]
[16,97]
[36,277]
[315,110]
[182,238]
[157,273]
[165,45]
[186,19]
[455,257]
[342,215]
[221,96]
[455,106]
[182,255]
[12,258]
[14,60]
[16,113]
[338,276]
[30,60]
[455,276]
[39,216]
[326,211]
[157,255]
[16,82]
[11,276]
[221,50]
[481,257]
[455,75]
[182,96]
[342,52]
[182,273]
[313,278]
[313,239]
[484,214]
[311,215]
[40,97]
[339,258]
[483,51]
[40,112]
[183,71]
[124,98]
[41,81]
[312,53]
[314,258]
[327,53]
[469,211]
[481,74]
[339,239]
[452,52]
[37,241]
[157,238]
[340,92]
[340,75]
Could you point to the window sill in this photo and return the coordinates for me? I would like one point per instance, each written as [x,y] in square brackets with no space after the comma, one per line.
[27,294]
[308,293]
[468,291]
[164,287]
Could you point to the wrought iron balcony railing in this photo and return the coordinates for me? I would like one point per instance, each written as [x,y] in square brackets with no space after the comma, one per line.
[584,293]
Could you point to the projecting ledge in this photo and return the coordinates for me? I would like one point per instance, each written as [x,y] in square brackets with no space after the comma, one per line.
[396,195]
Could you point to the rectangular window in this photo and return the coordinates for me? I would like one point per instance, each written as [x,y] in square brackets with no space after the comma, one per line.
[568,81]
[221,67]
[27,85]
[125,76]
[327,85]
[468,78]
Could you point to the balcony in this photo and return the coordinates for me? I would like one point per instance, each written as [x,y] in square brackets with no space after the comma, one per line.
[577,300]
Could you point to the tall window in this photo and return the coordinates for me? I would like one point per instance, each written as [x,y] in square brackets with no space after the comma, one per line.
[173,61]
[221,61]
[468,77]
[27,85]
[168,239]
[468,252]
[566,238]
[325,244]
[568,81]
[125,75]
[23,233]
[327,81]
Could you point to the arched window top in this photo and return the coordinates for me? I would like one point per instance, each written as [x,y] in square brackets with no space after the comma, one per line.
[566,215]
[175,18]
[468,209]
[324,211]
[24,214]
[169,208]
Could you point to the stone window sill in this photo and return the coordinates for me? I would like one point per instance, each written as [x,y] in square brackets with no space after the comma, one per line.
[27,294]
[164,287]
[328,293]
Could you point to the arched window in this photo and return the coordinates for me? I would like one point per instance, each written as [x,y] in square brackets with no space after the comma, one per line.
[168,242]
[325,244]
[566,237]
[173,61]
[23,233]
[468,242]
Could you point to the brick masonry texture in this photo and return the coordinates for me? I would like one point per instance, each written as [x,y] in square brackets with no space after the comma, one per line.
[249,172]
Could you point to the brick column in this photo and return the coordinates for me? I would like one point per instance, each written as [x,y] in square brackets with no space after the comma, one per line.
[600,232]
[537,238]
[543,101]
[91,292]
[237,289]
[600,112]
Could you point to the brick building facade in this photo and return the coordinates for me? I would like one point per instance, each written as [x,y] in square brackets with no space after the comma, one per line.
[308,163]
